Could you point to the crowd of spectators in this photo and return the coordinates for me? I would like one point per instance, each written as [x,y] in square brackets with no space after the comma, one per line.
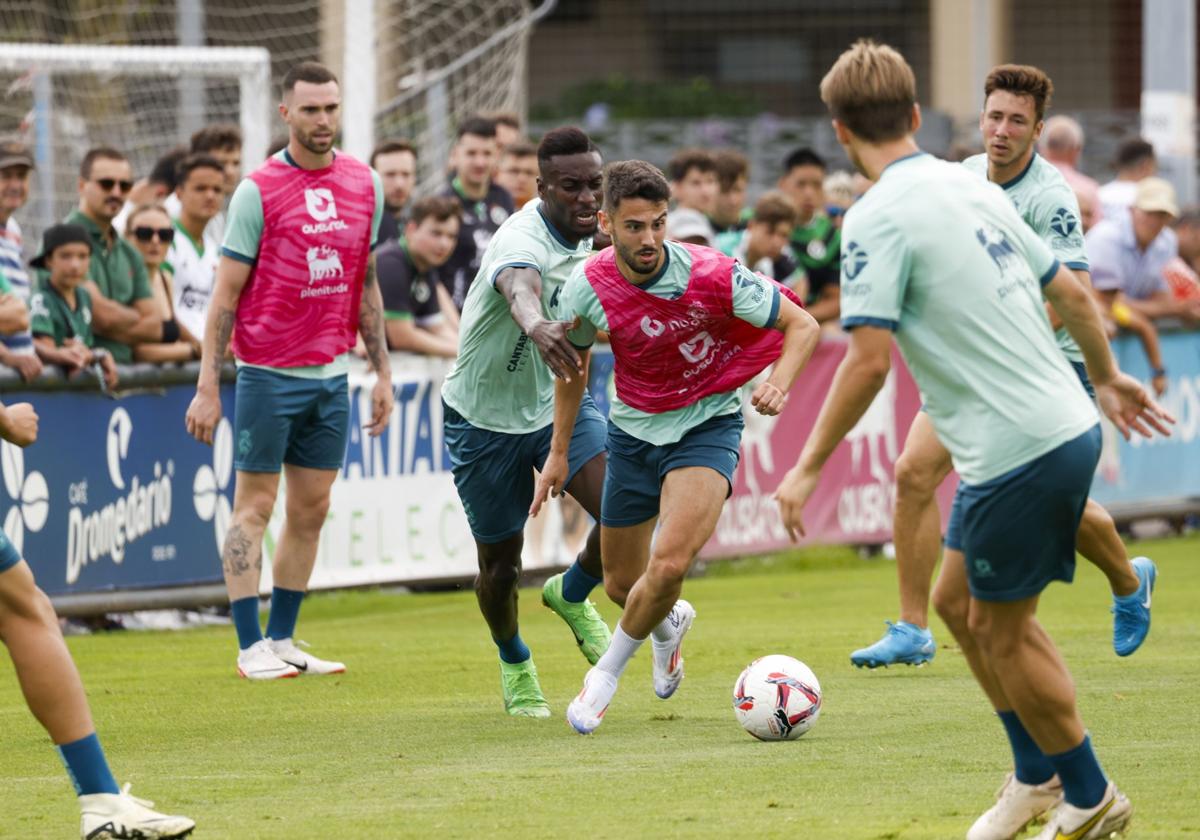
[129,273]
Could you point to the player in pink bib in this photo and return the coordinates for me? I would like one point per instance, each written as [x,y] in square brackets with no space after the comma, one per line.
[295,286]
[689,328]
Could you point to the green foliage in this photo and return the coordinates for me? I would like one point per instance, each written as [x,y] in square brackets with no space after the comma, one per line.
[633,99]
[413,741]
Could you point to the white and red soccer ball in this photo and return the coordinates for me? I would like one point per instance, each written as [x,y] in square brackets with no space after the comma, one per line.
[777,698]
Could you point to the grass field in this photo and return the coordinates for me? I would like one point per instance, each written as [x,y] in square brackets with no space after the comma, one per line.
[413,742]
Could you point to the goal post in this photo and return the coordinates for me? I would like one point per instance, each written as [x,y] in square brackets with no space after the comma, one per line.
[65,98]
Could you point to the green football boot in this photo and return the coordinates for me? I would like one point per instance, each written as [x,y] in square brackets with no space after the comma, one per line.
[591,633]
[522,693]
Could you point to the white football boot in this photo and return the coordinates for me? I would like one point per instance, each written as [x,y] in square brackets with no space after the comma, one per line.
[668,659]
[119,816]
[259,662]
[1109,818]
[1017,805]
[303,662]
[587,710]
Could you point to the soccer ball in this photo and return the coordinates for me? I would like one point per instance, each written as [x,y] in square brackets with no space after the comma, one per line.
[777,698]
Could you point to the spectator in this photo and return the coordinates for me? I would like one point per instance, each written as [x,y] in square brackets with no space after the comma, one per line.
[123,312]
[733,173]
[152,233]
[1061,144]
[224,142]
[16,341]
[763,245]
[508,128]
[62,308]
[687,225]
[155,188]
[414,301]
[485,205]
[1135,161]
[816,240]
[694,181]
[191,260]
[518,172]
[396,163]
[1183,272]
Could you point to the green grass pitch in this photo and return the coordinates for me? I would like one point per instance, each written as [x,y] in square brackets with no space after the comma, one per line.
[413,741]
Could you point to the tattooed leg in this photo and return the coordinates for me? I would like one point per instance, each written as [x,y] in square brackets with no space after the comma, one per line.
[241,560]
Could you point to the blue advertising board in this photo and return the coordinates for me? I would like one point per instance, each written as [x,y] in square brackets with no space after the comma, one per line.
[115,494]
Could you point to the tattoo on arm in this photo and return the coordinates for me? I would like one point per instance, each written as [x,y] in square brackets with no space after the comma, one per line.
[370,319]
[241,554]
[225,319]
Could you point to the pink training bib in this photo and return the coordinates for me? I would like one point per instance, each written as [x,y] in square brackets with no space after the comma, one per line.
[300,305]
[672,353]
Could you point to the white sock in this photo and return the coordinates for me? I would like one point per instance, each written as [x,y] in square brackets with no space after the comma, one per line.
[664,632]
[620,650]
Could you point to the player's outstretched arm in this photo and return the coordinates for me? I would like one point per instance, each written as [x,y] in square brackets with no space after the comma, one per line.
[801,333]
[568,393]
[18,423]
[370,324]
[858,379]
[522,288]
[1121,397]
[205,411]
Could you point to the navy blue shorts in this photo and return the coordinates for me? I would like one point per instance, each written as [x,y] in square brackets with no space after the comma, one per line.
[636,469]
[280,419]
[1017,531]
[1081,372]
[493,471]
[9,556]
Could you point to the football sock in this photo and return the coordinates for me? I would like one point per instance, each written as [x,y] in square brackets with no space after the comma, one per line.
[664,631]
[578,584]
[514,651]
[620,651]
[1083,781]
[245,621]
[1032,766]
[285,609]
[87,766]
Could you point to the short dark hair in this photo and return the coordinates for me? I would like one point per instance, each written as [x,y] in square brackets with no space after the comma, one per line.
[520,148]
[438,207]
[731,165]
[803,157]
[164,171]
[390,147]
[1132,152]
[312,72]
[633,179]
[98,153]
[685,160]
[566,140]
[193,162]
[1022,80]
[506,118]
[478,126]
[774,208]
[217,136]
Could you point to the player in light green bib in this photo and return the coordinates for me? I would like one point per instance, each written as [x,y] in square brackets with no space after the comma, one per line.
[940,258]
[1015,102]
[499,408]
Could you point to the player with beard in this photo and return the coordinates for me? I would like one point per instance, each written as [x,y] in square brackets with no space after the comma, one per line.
[1015,101]
[499,408]
[689,326]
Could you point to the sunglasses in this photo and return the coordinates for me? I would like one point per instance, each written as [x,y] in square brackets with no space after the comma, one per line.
[145,234]
[107,184]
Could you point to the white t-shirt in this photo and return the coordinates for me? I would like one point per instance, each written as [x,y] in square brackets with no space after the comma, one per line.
[195,270]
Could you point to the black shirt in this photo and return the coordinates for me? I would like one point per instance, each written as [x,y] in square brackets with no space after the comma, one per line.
[407,293]
[479,222]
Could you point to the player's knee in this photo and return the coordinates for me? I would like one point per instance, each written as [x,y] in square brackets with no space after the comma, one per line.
[254,511]
[953,606]
[916,477]
[32,606]
[308,518]
[617,588]
[1096,520]
[669,568]
[500,574]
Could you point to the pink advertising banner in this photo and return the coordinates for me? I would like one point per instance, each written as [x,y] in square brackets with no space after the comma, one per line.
[854,501]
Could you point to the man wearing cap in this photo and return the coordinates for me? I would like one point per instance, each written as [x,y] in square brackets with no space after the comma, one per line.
[124,313]
[685,224]
[16,343]
[1129,251]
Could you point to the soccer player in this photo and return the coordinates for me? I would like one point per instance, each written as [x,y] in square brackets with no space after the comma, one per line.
[54,692]
[816,240]
[293,325]
[396,163]
[941,258]
[689,327]
[1015,102]
[499,408]
[763,244]
[192,258]
[485,205]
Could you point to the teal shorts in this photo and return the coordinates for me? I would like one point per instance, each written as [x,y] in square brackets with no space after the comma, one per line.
[1017,531]
[636,469]
[8,554]
[280,419]
[493,471]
